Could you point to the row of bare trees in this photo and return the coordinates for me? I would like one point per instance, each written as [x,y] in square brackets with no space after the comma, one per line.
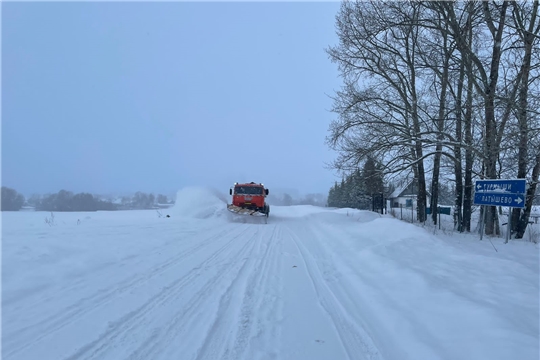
[441,89]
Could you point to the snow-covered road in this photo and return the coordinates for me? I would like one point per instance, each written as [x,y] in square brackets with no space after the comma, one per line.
[313,283]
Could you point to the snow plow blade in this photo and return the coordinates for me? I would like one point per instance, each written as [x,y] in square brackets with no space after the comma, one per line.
[242,211]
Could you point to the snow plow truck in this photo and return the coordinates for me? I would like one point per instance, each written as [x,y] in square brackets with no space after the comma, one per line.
[249,199]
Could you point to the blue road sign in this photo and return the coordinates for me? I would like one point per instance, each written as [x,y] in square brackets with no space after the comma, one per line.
[500,192]
[514,186]
[512,200]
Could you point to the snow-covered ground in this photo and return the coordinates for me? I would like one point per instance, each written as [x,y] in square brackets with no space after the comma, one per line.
[446,225]
[313,283]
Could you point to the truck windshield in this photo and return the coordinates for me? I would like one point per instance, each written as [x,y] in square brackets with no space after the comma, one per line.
[248,190]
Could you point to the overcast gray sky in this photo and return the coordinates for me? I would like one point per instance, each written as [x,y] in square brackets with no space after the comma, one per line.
[117,97]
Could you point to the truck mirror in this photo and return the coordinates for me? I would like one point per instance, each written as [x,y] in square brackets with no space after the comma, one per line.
[266,191]
[230,191]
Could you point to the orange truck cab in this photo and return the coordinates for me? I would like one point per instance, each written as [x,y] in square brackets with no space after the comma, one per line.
[250,196]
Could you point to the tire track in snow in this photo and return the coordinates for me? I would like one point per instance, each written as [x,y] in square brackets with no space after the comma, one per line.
[266,287]
[387,297]
[119,332]
[186,318]
[75,286]
[249,291]
[55,322]
[355,340]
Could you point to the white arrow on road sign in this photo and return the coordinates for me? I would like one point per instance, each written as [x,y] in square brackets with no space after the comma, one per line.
[479,186]
[518,200]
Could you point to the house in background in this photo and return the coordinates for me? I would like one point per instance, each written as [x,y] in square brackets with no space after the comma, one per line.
[405,196]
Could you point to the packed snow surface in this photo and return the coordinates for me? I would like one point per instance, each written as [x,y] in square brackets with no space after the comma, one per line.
[314,283]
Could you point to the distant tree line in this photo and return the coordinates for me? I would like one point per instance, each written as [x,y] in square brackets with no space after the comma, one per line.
[141,201]
[11,199]
[68,201]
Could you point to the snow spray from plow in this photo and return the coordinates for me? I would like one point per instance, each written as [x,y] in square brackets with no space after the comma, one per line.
[199,202]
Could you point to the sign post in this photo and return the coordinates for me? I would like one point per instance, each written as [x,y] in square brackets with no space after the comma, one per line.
[500,192]
[483,210]
[509,227]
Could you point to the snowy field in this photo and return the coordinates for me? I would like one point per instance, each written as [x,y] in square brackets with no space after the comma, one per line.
[313,283]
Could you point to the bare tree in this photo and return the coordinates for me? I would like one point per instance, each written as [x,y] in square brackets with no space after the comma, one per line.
[488,66]
[444,84]
[11,199]
[379,47]
[528,35]
[437,59]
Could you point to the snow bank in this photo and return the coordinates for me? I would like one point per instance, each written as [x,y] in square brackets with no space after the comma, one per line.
[422,296]
[295,211]
[199,202]
[317,213]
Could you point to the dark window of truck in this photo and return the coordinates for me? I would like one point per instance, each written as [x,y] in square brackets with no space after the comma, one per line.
[248,190]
